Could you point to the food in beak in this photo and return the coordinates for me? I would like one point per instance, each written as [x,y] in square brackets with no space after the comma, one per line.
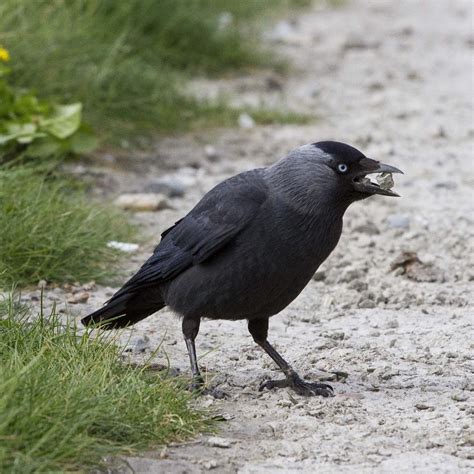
[385,181]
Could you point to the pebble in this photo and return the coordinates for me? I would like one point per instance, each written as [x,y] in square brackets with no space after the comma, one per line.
[422,406]
[175,184]
[284,403]
[439,132]
[80,297]
[123,246]
[358,285]
[217,442]
[246,121]
[319,276]
[282,31]
[139,345]
[398,221]
[355,41]
[366,304]
[459,397]
[351,274]
[368,228]
[211,153]
[142,202]
[337,335]
[392,324]
[209,464]
[450,185]
[273,83]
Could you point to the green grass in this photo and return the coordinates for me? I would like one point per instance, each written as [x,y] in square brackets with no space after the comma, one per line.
[128,61]
[50,230]
[66,401]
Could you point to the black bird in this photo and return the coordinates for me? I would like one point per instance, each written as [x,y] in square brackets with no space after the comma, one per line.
[248,249]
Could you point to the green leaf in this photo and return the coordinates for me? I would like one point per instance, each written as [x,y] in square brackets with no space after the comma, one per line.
[65,121]
[83,141]
[44,148]
[21,132]
[27,105]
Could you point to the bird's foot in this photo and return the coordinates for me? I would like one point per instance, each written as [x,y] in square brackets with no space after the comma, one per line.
[307,389]
[198,386]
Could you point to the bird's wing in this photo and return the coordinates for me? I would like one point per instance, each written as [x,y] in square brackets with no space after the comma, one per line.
[221,214]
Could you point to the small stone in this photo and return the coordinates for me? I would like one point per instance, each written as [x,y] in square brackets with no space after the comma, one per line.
[42,284]
[142,202]
[246,121]
[408,264]
[449,185]
[211,153]
[368,228]
[209,464]
[217,442]
[172,186]
[273,83]
[122,246]
[350,275]
[325,344]
[460,397]
[452,355]
[140,345]
[358,285]
[422,406]
[392,324]
[439,132]
[355,41]
[319,276]
[89,286]
[398,221]
[282,31]
[337,335]
[80,297]
[367,304]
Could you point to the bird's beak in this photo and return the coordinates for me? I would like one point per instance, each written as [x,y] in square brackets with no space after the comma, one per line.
[362,184]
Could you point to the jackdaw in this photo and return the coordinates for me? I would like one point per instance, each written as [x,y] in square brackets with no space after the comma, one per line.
[249,247]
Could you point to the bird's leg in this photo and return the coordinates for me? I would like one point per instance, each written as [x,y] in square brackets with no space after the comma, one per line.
[190,331]
[258,328]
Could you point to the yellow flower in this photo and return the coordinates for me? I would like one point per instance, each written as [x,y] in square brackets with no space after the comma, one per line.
[4,54]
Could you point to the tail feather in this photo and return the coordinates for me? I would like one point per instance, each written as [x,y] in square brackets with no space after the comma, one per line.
[125,310]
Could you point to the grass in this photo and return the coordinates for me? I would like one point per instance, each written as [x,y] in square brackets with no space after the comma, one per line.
[66,401]
[51,231]
[129,61]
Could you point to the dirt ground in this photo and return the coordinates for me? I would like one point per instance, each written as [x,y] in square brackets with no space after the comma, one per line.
[395,80]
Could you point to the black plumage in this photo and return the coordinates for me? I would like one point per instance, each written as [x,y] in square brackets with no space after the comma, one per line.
[249,247]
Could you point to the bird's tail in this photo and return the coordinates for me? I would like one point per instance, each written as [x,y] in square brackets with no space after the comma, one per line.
[125,309]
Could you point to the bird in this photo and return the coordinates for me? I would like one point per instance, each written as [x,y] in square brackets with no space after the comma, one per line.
[248,248]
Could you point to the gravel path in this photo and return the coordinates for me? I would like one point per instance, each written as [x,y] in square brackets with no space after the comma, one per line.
[393,78]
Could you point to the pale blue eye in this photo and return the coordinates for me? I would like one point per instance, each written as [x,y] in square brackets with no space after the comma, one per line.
[342,168]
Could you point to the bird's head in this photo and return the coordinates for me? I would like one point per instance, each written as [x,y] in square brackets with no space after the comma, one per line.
[350,168]
[332,173]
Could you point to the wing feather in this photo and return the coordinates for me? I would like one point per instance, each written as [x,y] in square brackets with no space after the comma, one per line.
[219,217]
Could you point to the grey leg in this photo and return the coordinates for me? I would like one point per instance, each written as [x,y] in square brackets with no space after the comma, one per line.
[258,328]
[190,332]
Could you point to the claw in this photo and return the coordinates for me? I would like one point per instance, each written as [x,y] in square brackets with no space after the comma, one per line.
[301,387]
[197,387]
